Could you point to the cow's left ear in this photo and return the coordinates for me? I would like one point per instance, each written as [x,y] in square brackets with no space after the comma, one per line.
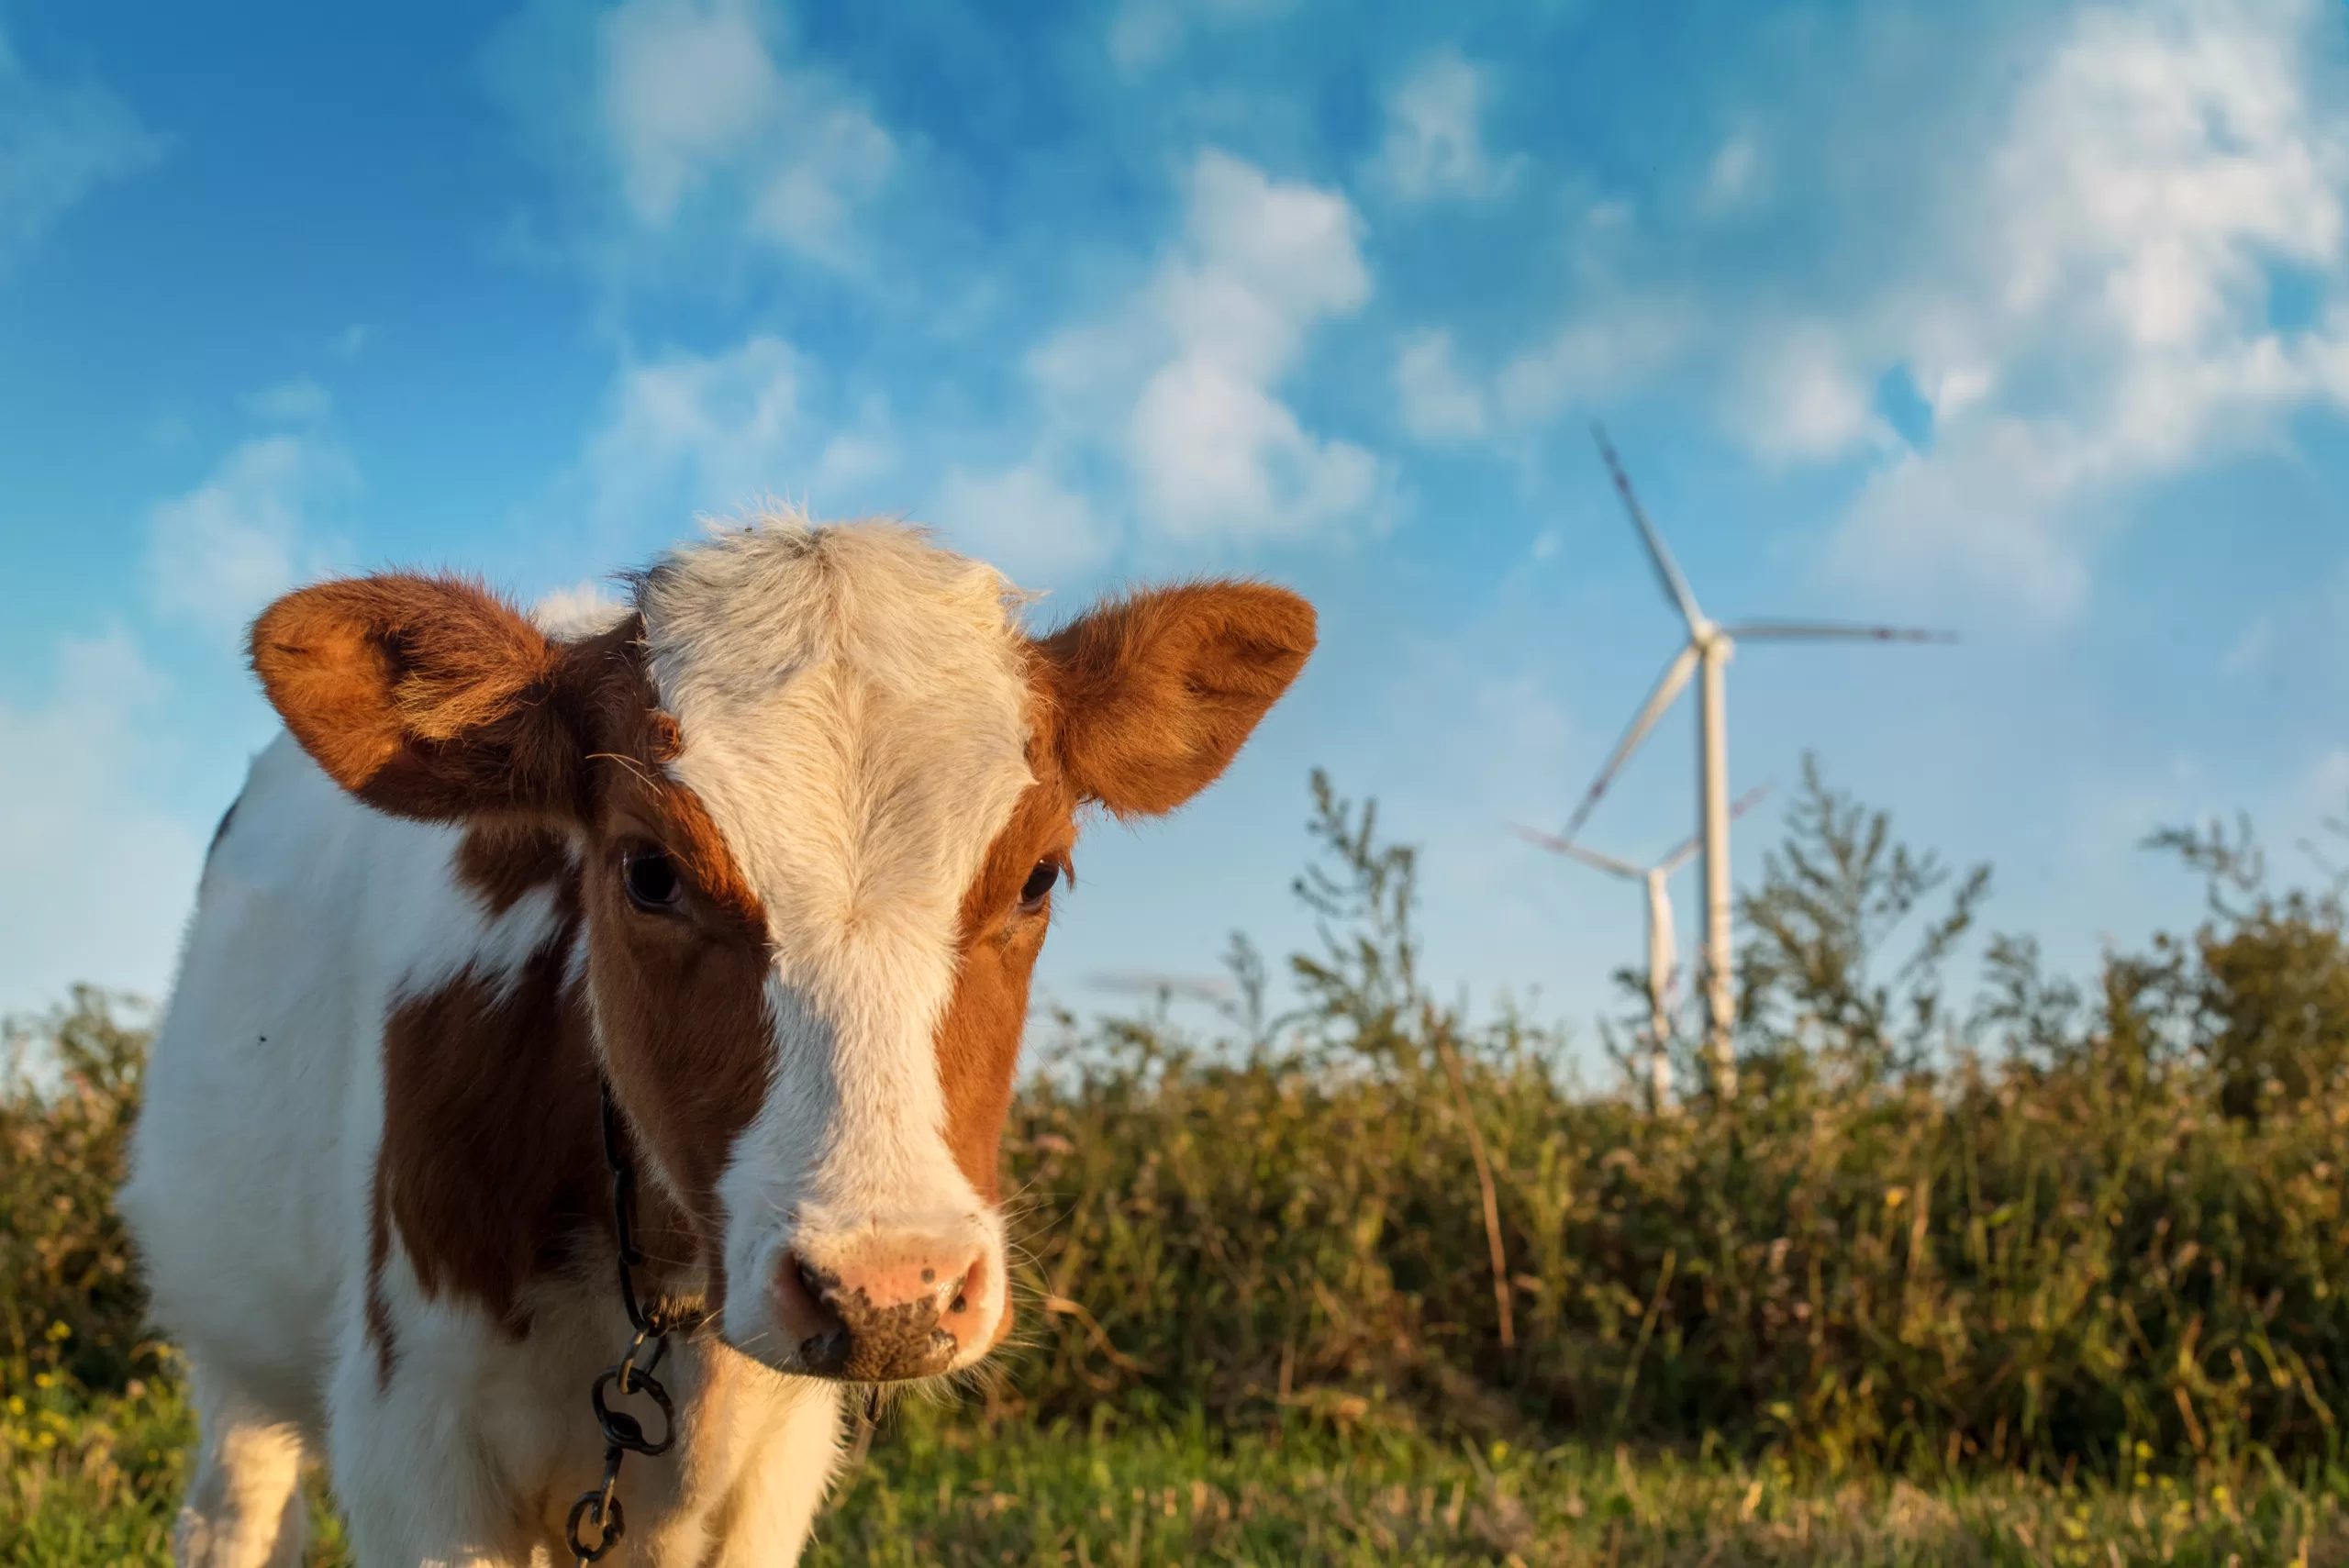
[1156,693]
[424,697]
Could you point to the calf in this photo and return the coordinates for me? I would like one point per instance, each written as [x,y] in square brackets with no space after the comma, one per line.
[729,905]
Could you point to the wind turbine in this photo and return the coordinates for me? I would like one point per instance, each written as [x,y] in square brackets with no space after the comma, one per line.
[1709,648]
[1663,962]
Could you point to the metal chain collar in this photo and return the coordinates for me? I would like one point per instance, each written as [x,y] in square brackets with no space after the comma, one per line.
[598,1508]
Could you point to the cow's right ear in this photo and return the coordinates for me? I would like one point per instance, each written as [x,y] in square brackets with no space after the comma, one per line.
[424,697]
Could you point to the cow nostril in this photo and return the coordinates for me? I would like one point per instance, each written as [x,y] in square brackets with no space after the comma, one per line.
[810,1318]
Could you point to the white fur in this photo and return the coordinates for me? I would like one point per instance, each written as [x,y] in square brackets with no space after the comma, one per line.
[853,709]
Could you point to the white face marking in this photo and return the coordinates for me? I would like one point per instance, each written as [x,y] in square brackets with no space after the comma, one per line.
[852,703]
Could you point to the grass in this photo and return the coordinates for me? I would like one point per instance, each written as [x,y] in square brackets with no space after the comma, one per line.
[94,1481]
[940,1493]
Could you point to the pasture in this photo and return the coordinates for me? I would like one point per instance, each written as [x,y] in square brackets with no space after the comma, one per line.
[95,1484]
[2024,1270]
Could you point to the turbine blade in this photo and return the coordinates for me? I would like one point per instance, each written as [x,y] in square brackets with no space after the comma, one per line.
[1829,630]
[1695,841]
[1750,798]
[1667,570]
[1588,857]
[1675,678]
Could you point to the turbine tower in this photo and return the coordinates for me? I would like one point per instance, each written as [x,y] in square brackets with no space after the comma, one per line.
[1663,962]
[1709,648]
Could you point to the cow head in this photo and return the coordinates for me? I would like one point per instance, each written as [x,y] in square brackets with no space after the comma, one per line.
[819,788]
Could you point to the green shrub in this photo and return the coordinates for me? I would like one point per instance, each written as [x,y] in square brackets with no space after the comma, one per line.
[69,1302]
[1886,1255]
[2093,1225]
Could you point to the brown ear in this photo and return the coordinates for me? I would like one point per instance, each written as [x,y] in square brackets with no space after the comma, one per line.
[424,697]
[1157,692]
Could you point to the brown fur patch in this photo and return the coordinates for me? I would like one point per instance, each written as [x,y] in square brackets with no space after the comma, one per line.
[379,1334]
[687,1038]
[500,863]
[492,1169]
[978,1040]
[490,1160]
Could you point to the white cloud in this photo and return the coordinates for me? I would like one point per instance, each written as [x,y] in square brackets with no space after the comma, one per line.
[689,432]
[1192,361]
[695,129]
[218,553]
[1261,262]
[1438,404]
[1801,396]
[684,434]
[2250,651]
[1619,335]
[1022,521]
[697,98]
[297,401]
[2099,316]
[685,86]
[1978,513]
[1738,174]
[111,877]
[2072,265]
[58,143]
[1434,146]
[1146,33]
[858,459]
[1608,348]
[1216,455]
[2159,158]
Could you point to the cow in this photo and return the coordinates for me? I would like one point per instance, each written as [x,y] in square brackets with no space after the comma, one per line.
[555,999]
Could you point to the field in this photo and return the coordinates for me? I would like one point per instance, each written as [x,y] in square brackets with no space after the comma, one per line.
[94,1484]
[2055,1276]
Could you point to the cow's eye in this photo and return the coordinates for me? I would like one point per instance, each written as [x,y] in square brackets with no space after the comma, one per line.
[1040,881]
[651,880]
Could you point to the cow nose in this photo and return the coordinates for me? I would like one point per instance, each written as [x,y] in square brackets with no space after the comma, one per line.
[884,1312]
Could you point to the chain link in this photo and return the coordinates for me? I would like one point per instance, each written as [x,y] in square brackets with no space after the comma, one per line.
[599,1505]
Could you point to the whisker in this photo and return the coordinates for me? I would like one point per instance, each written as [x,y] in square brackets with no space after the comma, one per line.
[632,764]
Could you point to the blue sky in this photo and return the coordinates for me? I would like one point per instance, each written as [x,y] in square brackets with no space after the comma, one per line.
[2032,322]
